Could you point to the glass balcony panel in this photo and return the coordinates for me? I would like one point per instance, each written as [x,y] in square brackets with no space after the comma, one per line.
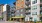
[28,13]
[27,8]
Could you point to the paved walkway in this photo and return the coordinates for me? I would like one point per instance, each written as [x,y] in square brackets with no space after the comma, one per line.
[10,22]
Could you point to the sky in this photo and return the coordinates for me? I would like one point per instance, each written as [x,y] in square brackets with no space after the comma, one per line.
[7,2]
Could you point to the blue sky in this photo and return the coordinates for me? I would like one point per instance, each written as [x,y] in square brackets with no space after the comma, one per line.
[7,2]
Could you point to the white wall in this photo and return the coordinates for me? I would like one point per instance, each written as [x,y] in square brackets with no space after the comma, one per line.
[4,7]
[38,9]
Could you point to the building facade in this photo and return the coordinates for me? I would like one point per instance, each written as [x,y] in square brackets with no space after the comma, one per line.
[20,4]
[35,9]
[8,12]
[41,10]
[28,8]
[4,13]
[20,10]
[1,12]
[31,7]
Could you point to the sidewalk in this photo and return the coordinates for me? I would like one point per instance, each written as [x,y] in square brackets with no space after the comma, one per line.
[10,22]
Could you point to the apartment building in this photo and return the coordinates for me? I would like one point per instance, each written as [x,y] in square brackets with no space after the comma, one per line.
[31,9]
[20,7]
[4,12]
[41,10]
[35,9]
[8,12]
[27,10]
[1,12]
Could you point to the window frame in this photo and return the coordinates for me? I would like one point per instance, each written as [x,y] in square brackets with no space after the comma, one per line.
[21,10]
[35,1]
[34,7]
[34,13]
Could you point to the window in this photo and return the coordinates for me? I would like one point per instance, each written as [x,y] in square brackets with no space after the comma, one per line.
[31,18]
[34,13]
[17,14]
[40,12]
[41,1]
[34,7]
[26,6]
[21,14]
[35,1]
[12,12]
[28,13]
[17,11]
[41,6]
[21,5]
[21,10]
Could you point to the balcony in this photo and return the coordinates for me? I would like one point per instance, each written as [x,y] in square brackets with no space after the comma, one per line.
[40,1]
[40,7]
[27,3]
[12,15]
[28,13]
[40,13]
[27,8]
